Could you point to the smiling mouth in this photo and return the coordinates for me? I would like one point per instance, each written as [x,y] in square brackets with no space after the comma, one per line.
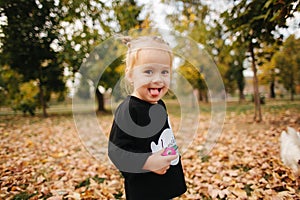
[155,91]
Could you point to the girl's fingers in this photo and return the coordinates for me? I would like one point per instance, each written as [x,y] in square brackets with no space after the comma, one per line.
[171,157]
[162,171]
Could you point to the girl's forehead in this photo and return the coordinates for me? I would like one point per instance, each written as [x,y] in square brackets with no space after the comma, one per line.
[152,66]
[158,56]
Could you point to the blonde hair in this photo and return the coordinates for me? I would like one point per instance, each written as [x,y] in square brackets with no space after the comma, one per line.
[144,42]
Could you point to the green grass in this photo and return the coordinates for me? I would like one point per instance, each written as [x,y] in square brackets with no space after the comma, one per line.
[239,107]
[174,108]
[272,106]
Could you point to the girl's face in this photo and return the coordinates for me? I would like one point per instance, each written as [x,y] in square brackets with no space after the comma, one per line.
[150,75]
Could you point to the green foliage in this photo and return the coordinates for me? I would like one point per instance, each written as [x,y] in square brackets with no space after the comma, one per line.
[41,38]
[193,75]
[227,40]
[9,85]
[258,19]
[254,24]
[192,19]
[26,100]
[27,36]
[127,14]
[32,27]
[83,25]
[99,22]
[287,63]
[19,95]
[267,68]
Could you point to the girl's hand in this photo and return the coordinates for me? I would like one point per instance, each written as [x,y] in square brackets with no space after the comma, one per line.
[158,163]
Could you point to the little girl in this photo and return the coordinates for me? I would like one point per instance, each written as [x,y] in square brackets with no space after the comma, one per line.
[141,143]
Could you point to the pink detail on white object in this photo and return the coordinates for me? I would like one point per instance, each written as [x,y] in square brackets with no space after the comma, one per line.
[169,151]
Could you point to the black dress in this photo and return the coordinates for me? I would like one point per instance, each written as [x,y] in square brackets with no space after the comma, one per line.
[140,129]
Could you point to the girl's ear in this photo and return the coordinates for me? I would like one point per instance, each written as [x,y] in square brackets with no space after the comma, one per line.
[128,75]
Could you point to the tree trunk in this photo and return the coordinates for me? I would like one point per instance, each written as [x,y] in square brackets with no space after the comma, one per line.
[241,84]
[292,94]
[292,87]
[203,95]
[272,85]
[272,89]
[257,113]
[100,99]
[241,95]
[200,97]
[42,96]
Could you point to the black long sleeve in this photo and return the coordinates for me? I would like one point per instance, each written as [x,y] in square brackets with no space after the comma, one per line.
[139,129]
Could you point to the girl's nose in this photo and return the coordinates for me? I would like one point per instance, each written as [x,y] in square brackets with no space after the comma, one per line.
[157,78]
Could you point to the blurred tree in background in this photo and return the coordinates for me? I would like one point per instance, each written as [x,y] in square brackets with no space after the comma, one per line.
[195,78]
[268,74]
[246,29]
[41,39]
[196,20]
[286,61]
[127,14]
[44,42]
[254,23]
[31,28]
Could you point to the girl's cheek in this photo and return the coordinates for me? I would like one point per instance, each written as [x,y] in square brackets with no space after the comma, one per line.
[167,81]
[144,80]
[141,82]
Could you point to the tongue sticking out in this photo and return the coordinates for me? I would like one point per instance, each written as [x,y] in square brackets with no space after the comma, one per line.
[154,91]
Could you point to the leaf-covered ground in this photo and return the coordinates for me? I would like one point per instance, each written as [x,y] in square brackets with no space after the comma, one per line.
[45,159]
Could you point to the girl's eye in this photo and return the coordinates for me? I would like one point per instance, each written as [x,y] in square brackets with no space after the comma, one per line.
[148,72]
[165,72]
